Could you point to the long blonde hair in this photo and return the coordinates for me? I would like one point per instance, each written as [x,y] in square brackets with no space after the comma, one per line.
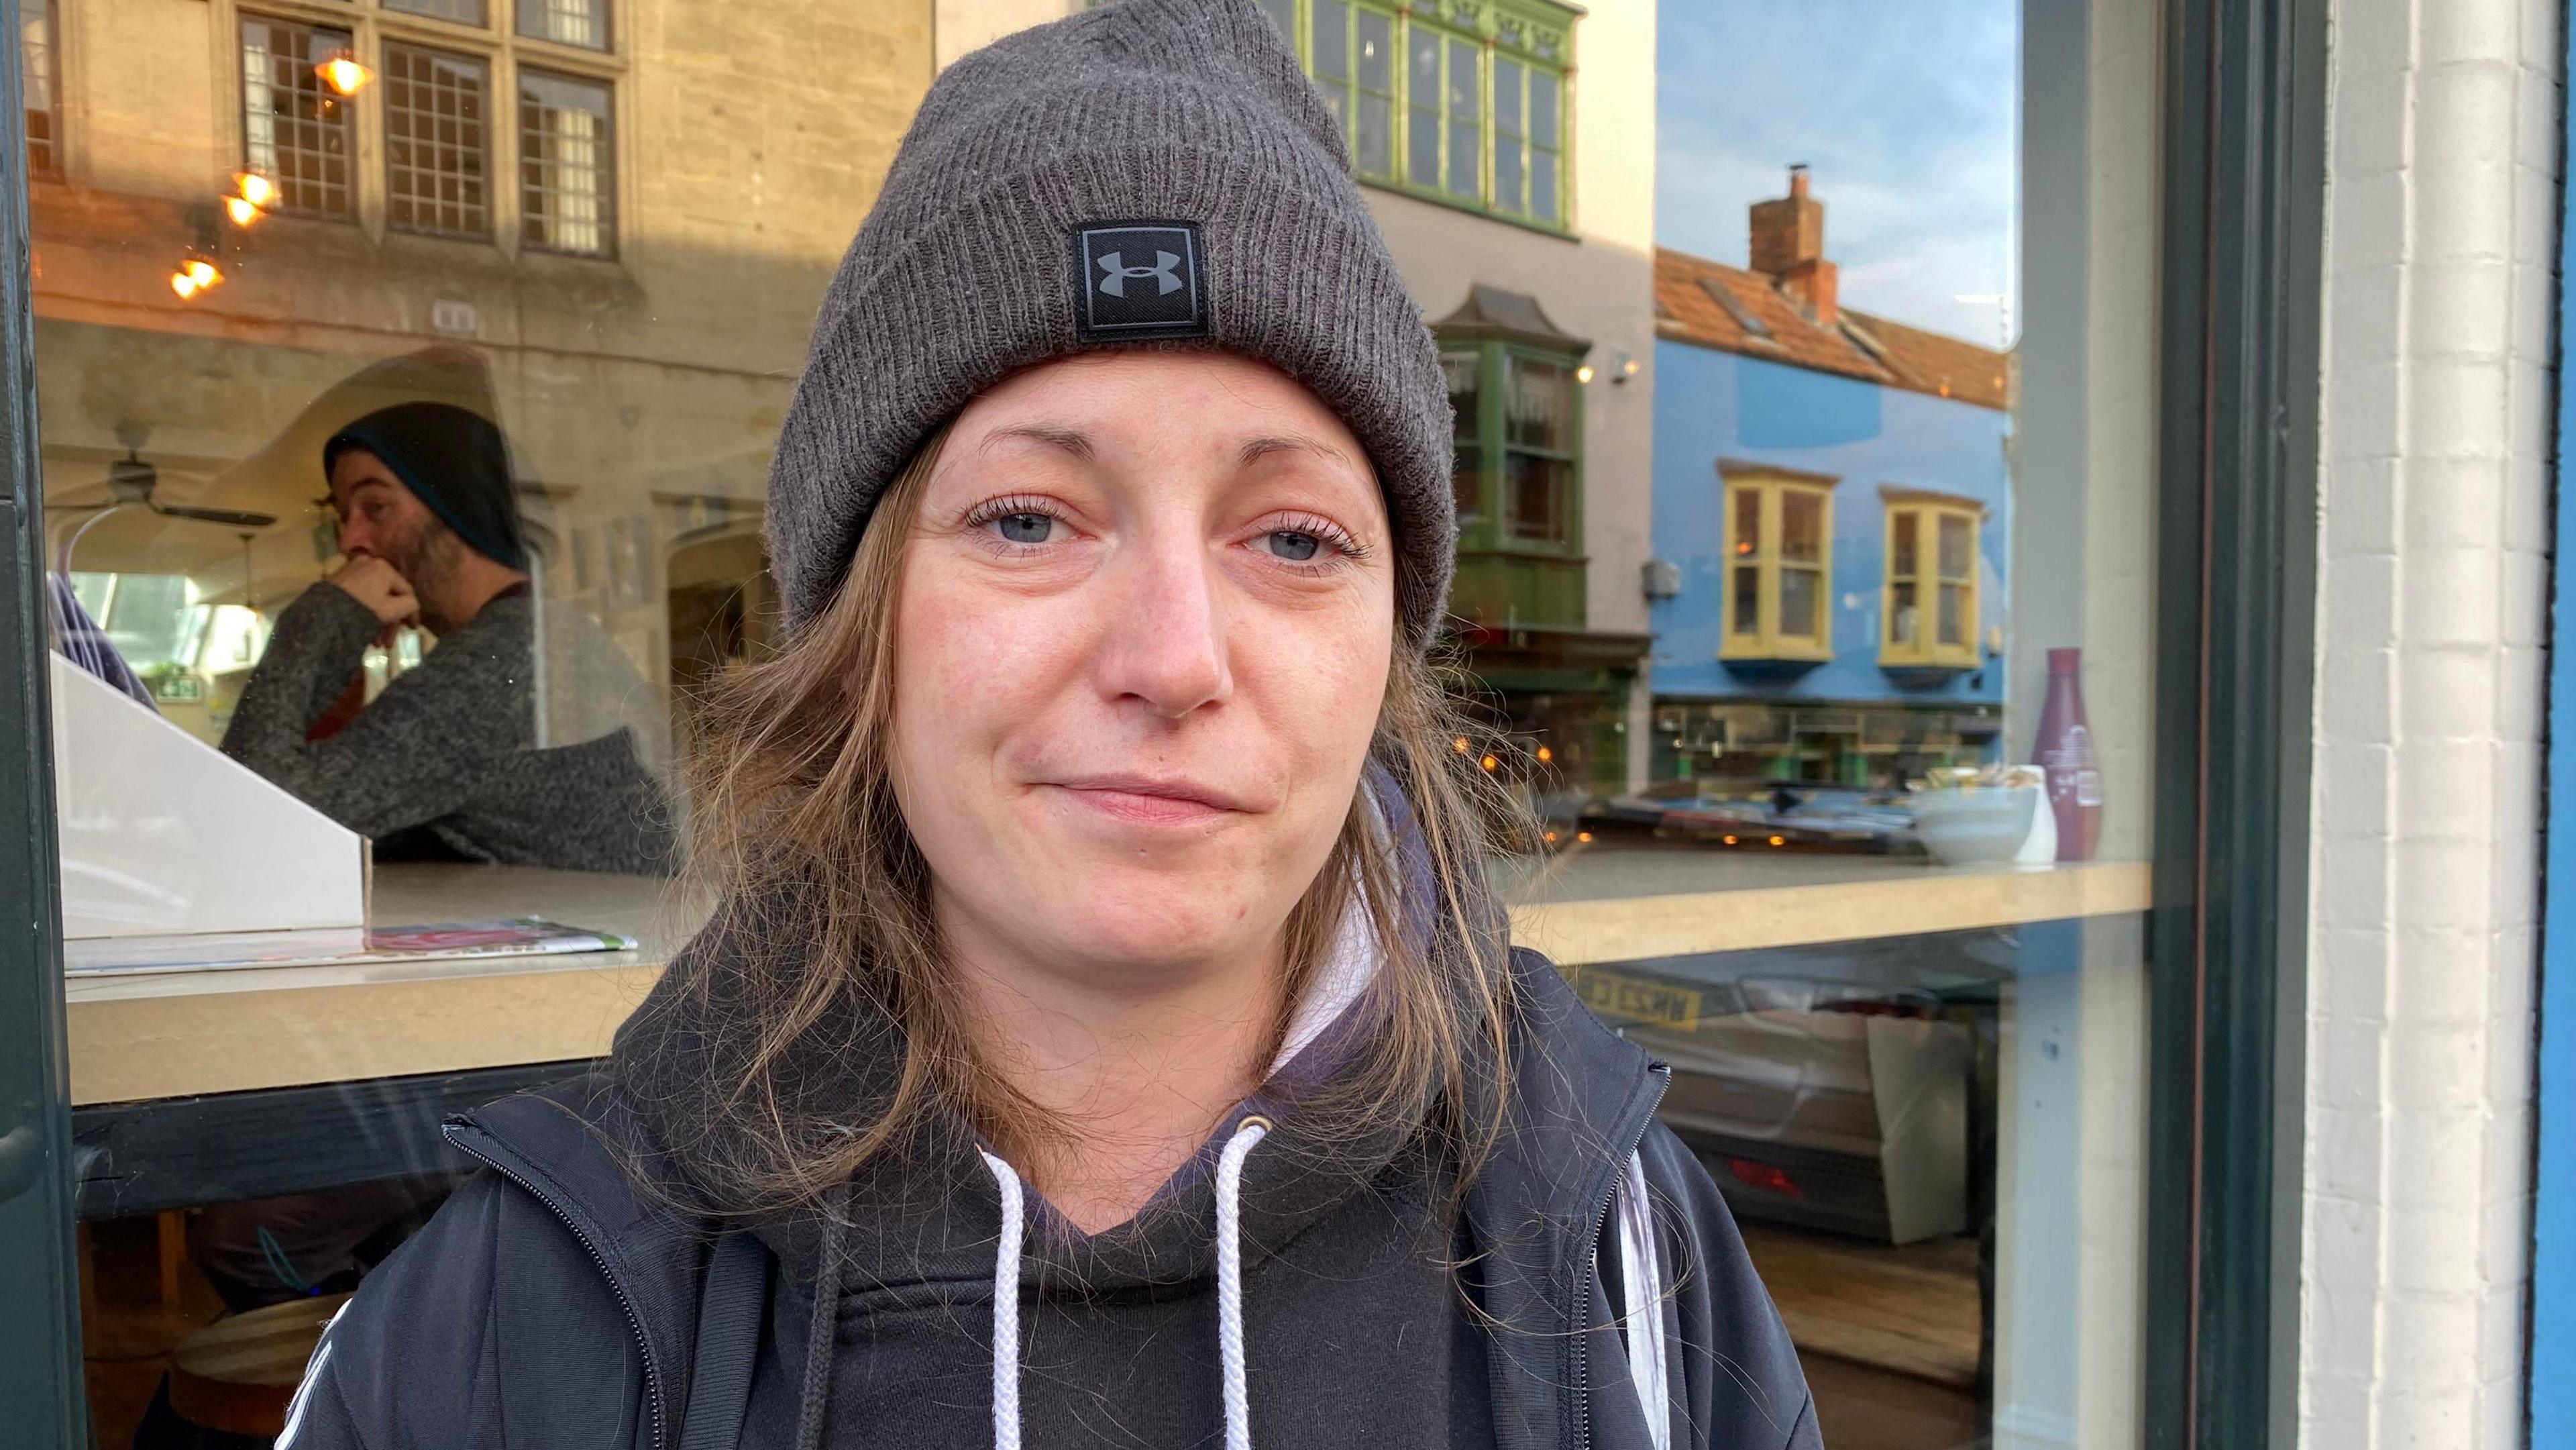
[826,920]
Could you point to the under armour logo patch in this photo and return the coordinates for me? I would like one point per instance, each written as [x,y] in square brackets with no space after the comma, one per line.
[1165,272]
[1137,280]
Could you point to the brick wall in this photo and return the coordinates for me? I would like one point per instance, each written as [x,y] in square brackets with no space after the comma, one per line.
[2441,221]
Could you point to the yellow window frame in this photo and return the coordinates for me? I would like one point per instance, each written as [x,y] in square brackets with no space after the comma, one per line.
[1909,635]
[1761,552]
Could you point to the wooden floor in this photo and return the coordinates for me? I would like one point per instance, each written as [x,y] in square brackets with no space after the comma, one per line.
[126,1328]
[1888,1335]
[1863,1408]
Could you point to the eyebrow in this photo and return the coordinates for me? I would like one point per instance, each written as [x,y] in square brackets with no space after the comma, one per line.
[1260,448]
[1071,440]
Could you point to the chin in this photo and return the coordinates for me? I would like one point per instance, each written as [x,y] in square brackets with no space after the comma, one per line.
[1112,911]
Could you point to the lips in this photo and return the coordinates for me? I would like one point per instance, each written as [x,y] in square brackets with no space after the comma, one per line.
[1151,800]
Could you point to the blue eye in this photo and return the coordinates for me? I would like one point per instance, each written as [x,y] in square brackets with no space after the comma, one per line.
[1293,546]
[1025,528]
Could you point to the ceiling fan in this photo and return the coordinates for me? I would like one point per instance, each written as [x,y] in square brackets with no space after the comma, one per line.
[131,481]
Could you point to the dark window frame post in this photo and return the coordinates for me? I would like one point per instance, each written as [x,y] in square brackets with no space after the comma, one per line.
[2243,269]
[40,1363]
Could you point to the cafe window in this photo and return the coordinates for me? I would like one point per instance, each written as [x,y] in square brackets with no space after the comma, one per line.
[1931,592]
[1904,991]
[566,22]
[438,159]
[567,190]
[1778,548]
[463,12]
[1468,114]
[36,81]
[296,130]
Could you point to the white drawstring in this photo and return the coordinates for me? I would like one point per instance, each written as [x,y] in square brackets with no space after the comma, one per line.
[1229,1278]
[1643,1289]
[1006,1309]
[1229,1291]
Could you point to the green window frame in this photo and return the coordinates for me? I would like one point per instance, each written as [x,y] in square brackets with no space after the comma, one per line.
[1519,463]
[1462,102]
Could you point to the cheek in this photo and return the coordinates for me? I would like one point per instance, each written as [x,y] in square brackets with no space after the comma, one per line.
[1322,690]
[969,669]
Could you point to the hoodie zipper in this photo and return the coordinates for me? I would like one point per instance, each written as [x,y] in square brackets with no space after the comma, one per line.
[1582,1375]
[634,1321]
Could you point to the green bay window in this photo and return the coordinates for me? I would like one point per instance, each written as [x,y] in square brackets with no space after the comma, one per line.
[1461,101]
[1519,462]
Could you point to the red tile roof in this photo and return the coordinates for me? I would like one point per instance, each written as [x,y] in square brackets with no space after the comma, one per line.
[1710,304]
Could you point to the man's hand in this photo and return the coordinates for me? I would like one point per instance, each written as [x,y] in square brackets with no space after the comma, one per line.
[379,586]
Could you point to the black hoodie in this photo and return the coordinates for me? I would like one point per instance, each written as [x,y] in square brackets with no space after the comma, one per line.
[555,1302]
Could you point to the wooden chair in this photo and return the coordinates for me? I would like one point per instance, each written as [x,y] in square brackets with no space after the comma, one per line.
[238,1374]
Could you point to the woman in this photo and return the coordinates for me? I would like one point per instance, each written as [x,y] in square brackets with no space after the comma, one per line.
[1106,1036]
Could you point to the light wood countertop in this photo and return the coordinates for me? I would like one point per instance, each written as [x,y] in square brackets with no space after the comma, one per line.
[171,1034]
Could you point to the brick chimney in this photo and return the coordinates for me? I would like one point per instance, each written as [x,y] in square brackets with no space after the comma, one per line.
[1789,247]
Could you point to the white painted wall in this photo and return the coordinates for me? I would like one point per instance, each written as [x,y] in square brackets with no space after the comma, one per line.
[958,26]
[2441,222]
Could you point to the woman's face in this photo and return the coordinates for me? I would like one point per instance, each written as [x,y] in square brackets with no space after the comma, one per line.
[1141,640]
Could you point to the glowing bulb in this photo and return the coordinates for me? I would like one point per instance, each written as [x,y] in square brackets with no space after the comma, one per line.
[1459,744]
[1730,840]
[1490,762]
[1583,835]
[344,74]
[1777,841]
[256,189]
[242,210]
[1583,374]
[202,272]
[1545,754]
[183,284]
[1551,837]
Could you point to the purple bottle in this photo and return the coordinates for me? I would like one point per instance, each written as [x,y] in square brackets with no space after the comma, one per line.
[2066,754]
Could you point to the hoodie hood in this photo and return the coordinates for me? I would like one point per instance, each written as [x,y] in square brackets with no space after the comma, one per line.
[931,1205]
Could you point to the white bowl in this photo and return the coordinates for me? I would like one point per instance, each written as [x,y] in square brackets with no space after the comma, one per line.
[1979,826]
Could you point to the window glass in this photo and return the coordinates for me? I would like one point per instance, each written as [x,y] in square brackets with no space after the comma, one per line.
[1329,55]
[1467,465]
[1957,537]
[568,22]
[1538,489]
[1541,410]
[1422,127]
[568,179]
[1815,604]
[1373,116]
[295,127]
[464,12]
[1802,527]
[1903,660]
[437,146]
[1545,148]
[36,82]
[1466,119]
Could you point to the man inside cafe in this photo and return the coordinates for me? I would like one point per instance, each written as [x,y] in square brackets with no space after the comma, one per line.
[506,743]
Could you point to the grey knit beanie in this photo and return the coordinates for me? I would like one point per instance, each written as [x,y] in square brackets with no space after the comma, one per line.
[1157,171]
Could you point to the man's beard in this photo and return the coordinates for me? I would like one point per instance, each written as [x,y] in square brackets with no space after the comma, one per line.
[429,562]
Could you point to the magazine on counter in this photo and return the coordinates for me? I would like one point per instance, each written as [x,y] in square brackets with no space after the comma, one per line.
[514,937]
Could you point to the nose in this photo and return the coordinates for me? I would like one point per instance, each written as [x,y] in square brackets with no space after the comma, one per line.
[1164,641]
[356,539]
